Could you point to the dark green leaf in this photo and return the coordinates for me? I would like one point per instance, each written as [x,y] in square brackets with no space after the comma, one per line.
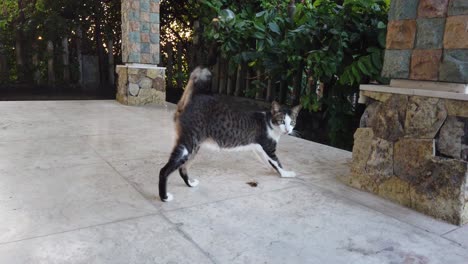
[260,45]
[259,26]
[362,67]
[259,14]
[373,49]
[259,35]
[369,66]
[356,74]
[376,60]
[382,39]
[227,15]
[274,27]
[270,41]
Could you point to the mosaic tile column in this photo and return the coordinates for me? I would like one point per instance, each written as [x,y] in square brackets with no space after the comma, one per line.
[412,144]
[141,81]
[427,40]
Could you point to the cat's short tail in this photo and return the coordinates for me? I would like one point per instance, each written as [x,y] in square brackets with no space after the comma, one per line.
[199,82]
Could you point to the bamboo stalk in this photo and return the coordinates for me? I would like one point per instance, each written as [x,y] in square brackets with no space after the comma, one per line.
[222,77]
[4,64]
[110,56]
[269,94]
[169,66]
[258,94]
[291,9]
[35,63]
[297,84]
[238,80]
[247,80]
[215,80]
[50,63]
[79,54]
[66,60]
[179,65]
[229,89]
[283,91]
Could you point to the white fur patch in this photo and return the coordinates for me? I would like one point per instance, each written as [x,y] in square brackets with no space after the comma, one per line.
[185,152]
[256,148]
[201,74]
[288,174]
[205,74]
[287,124]
[212,145]
[193,182]
[169,198]
[274,133]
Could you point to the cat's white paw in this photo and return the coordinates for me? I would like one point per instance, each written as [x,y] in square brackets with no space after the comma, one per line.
[288,174]
[193,182]
[169,198]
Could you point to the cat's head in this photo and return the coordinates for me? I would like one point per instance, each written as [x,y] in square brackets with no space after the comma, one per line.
[284,119]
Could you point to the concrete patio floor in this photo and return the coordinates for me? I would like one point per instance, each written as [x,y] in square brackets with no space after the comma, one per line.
[78,182]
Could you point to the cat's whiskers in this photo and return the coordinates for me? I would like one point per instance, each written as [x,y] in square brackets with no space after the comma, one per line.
[296,133]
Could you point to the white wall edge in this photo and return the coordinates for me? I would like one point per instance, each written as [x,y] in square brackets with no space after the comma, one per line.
[141,66]
[417,92]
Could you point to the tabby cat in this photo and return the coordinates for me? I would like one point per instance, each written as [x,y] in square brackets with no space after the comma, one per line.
[202,119]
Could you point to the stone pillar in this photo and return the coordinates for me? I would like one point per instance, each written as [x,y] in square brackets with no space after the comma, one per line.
[412,146]
[140,80]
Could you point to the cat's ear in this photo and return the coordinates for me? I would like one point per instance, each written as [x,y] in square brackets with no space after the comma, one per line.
[275,107]
[295,110]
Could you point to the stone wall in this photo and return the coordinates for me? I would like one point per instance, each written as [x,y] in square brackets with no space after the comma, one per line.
[414,150]
[140,86]
[427,40]
[140,31]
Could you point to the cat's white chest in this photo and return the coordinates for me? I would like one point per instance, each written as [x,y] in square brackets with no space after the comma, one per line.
[274,134]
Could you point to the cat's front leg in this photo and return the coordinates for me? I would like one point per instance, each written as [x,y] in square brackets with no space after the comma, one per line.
[283,173]
[273,160]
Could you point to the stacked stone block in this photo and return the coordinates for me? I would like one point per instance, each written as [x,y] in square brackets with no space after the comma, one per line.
[427,40]
[414,150]
[140,31]
[140,86]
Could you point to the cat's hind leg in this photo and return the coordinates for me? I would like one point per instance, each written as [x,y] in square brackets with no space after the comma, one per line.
[178,158]
[183,171]
[190,182]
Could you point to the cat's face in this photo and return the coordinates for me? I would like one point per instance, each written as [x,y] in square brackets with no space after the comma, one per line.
[284,119]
